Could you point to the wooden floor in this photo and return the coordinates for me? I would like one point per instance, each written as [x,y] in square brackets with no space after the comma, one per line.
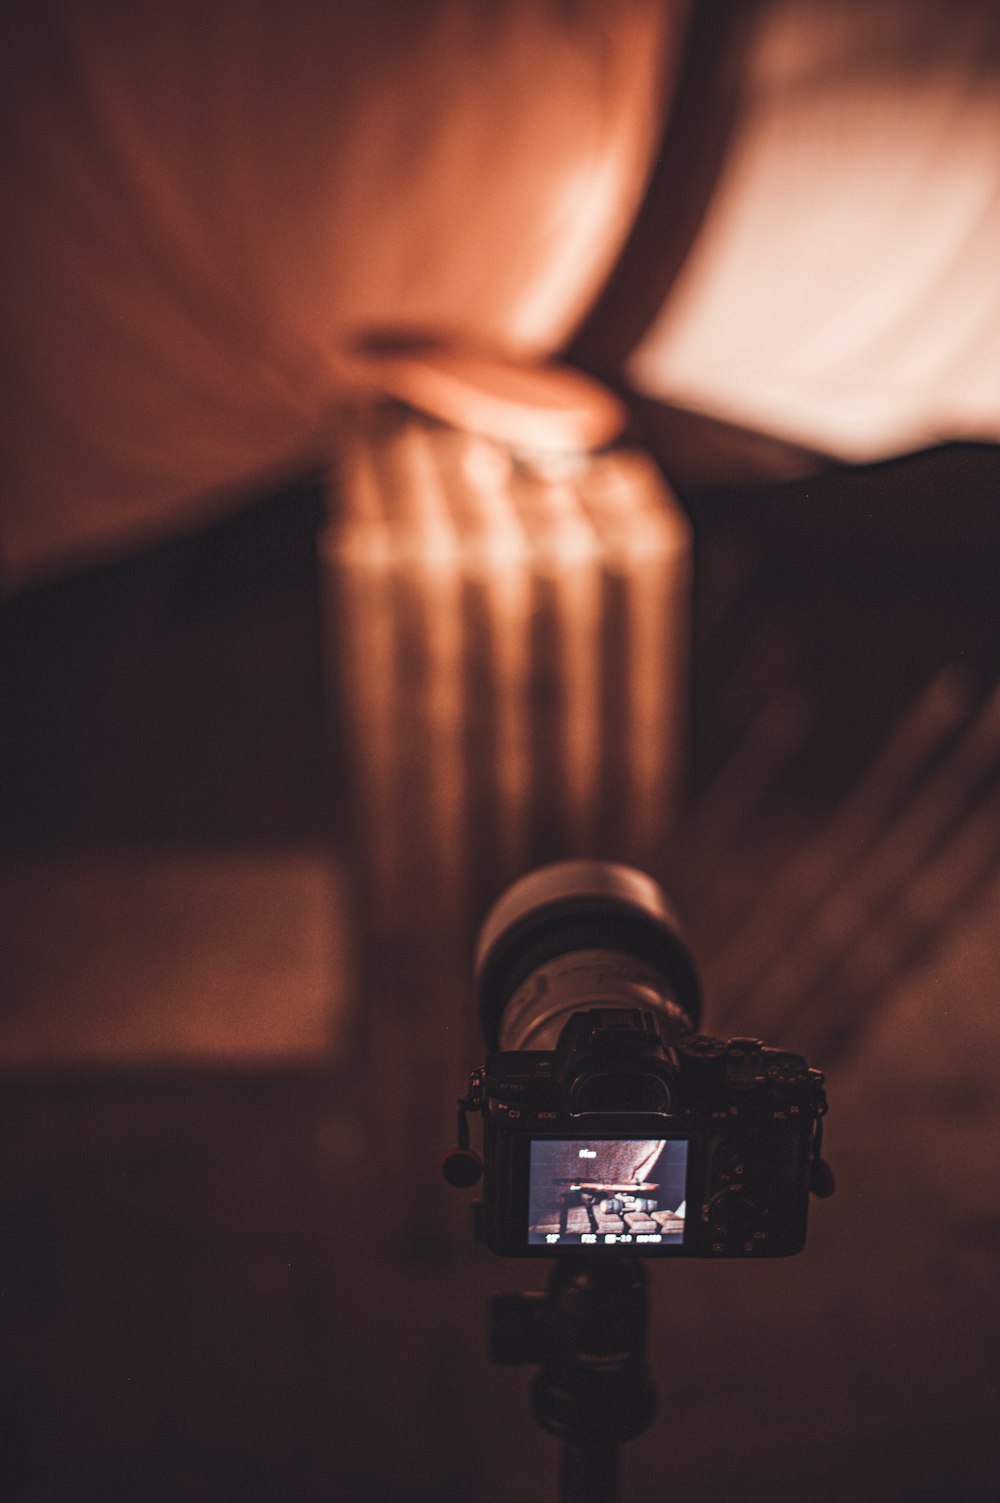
[229,1267]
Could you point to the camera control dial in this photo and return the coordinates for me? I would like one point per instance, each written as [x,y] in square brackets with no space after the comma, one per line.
[732,1215]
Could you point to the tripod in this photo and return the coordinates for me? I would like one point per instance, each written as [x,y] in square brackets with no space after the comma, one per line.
[587,1333]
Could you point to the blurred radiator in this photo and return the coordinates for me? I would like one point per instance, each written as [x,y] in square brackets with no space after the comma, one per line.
[509,637]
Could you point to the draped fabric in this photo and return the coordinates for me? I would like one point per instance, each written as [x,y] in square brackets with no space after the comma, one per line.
[844,293]
[209,201]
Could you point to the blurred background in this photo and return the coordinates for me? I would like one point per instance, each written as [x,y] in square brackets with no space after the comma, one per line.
[317,633]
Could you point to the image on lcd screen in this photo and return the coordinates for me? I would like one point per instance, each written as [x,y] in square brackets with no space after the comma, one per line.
[618,1192]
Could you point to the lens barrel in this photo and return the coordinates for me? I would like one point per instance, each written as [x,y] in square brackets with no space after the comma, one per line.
[579,934]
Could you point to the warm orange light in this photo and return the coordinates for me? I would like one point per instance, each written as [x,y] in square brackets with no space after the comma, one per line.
[511,637]
[844,291]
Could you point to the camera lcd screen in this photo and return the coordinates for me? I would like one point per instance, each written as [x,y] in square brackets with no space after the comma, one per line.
[614,1192]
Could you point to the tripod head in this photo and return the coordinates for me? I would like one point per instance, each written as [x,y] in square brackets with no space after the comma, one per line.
[594,1391]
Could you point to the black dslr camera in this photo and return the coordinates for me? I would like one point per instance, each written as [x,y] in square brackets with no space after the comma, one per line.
[610,1125]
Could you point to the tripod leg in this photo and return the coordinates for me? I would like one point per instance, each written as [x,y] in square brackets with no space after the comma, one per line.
[588,1474]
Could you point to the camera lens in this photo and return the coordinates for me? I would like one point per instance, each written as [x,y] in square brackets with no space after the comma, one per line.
[577,935]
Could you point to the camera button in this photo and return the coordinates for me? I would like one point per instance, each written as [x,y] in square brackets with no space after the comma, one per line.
[730,1160]
[732,1214]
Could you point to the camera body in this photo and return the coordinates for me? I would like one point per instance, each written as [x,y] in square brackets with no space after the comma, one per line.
[574,1160]
[611,1124]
